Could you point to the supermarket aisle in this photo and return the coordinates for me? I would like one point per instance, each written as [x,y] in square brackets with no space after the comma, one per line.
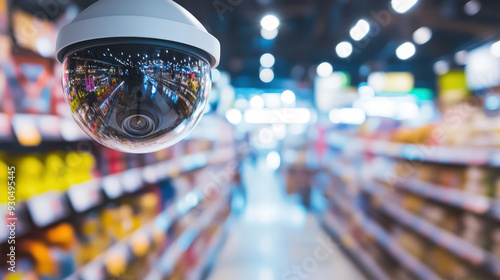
[277,239]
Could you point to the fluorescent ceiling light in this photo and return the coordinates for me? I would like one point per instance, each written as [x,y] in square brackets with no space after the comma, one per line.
[360,30]
[270,22]
[344,49]
[405,51]
[402,6]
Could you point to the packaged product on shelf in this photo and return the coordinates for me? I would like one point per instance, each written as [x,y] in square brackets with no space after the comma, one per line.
[477,181]
[446,264]
[3,181]
[495,242]
[414,204]
[80,167]
[30,173]
[412,243]
[474,231]
[92,239]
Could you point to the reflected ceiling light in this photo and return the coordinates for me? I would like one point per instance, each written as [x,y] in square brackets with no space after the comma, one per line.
[270,22]
[268,34]
[402,6]
[495,49]
[288,97]
[472,7]
[234,116]
[278,116]
[267,60]
[461,57]
[353,116]
[266,75]
[405,51]
[360,30]
[441,67]
[241,104]
[325,69]
[407,111]
[344,49]
[273,161]
[257,102]
[366,91]
[422,35]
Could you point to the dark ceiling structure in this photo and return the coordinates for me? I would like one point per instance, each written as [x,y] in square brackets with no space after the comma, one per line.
[310,30]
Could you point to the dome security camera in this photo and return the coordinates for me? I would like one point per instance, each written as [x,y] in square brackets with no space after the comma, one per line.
[136,74]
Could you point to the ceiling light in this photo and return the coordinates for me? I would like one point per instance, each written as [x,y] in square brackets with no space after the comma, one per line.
[257,102]
[344,49]
[402,6]
[354,116]
[234,116]
[422,35]
[472,7]
[461,57]
[441,67]
[405,51]
[325,69]
[288,97]
[273,161]
[266,75]
[360,30]
[366,91]
[495,49]
[267,60]
[268,34]
[270,22]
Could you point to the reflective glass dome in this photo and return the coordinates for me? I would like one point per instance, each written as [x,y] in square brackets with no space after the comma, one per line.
[136,98]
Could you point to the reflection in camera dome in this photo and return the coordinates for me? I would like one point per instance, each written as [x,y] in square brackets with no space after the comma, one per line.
[136,98]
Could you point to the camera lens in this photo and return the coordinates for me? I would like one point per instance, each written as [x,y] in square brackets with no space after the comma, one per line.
[136,97]
[138,125]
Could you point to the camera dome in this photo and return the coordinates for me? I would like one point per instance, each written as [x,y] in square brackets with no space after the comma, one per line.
[136,73]
[135,97]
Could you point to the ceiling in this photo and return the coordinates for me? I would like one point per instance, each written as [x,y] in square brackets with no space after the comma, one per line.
[310,30]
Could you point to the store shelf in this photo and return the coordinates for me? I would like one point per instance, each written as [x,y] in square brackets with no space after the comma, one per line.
[438,154]
[51,207]
[474,203]
[212,250]
[96,269]
[31,130]
[174,252]
[388,242]
[337,230]
[454,244]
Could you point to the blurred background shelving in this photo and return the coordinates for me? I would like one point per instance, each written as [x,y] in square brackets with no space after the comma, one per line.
[352,139]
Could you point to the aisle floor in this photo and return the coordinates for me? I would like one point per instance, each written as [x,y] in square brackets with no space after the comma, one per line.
[277,239]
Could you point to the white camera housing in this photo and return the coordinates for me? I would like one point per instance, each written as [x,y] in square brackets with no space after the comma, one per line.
[149,19]
[136,74]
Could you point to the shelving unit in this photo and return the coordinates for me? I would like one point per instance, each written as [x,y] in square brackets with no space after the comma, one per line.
[53,206]
[474,203]
[171,256]
[337,230]
[349,169]
[386,241]
[438,154]
[43,128]
[445,239]
[96,268]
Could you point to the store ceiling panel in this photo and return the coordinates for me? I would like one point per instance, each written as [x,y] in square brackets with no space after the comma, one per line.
[310,30]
